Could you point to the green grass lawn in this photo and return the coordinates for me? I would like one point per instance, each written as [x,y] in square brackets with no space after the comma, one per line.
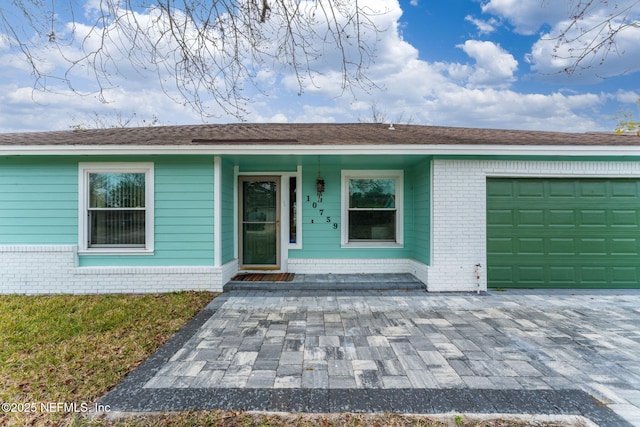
[73,349]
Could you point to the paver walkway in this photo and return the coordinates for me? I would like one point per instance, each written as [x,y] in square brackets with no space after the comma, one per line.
[411,351]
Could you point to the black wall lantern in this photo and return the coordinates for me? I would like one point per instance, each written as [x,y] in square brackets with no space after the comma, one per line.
[319,182]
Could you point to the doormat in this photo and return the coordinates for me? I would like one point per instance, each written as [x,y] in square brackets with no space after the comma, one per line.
[264,277]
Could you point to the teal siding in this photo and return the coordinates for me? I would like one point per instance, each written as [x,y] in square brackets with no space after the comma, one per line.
[183,216]
[266,164]
[228,235]
[422,212]
[320,238]
[38,200]
[39,205]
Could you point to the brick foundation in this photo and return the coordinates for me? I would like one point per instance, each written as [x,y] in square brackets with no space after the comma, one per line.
[50,269]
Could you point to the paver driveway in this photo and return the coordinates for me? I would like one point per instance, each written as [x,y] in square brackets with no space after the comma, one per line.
[512,351]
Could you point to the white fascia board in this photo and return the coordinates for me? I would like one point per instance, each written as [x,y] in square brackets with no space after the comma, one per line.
[343,149]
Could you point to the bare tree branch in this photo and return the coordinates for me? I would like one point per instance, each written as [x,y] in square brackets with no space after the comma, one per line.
[589,37]
[203,52]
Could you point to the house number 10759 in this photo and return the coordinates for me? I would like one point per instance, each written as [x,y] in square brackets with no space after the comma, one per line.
[327,219]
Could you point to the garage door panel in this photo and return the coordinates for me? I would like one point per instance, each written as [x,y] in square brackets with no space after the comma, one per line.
[563,275]
[529,189]
[502,189]
[625,247]
[624,218]
[592,218]
[530,217]
[562,188]
[500,245]
[502,275]
[530,275]
[592,247]
[562,246]
[594,276]
[624,275]
[592,189]
[563,232]
[500,217]
[624,189]
[530,246]
[565,218]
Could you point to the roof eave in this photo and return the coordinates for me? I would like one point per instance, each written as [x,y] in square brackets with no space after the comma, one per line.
[342,149]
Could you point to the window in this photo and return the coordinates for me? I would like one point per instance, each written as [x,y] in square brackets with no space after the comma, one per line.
[116,208]
[293,219]
[372,214]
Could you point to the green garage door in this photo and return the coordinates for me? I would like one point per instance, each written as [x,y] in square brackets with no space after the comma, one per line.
[563,233]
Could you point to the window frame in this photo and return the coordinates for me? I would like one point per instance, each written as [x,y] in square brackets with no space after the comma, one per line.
[398,176]
[84,169]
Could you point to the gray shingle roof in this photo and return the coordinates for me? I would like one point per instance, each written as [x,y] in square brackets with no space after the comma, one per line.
[311,134]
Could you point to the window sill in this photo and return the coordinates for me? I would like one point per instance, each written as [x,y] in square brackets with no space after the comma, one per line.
[372,245]
[122,251]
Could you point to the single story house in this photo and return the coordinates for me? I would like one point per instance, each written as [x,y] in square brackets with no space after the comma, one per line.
[188,207]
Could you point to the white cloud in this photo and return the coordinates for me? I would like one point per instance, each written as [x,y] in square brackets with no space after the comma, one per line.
[627,97]
[484,27]
[547,57]
[4,42]
[278,118]
[494,66]
[527,16]
[476,94]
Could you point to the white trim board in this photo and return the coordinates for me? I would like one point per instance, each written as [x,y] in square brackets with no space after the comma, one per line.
[86,168]
[217,211]
[285,245]
[342,149]
[398,177]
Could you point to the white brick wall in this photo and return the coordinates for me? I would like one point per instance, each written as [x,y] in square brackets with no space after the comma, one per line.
[458,231]
[459,211]
[45,269]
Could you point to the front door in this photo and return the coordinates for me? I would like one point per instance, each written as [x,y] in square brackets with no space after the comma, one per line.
[259,229]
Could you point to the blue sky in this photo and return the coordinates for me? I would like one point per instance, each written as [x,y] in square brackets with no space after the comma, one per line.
[476,63]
